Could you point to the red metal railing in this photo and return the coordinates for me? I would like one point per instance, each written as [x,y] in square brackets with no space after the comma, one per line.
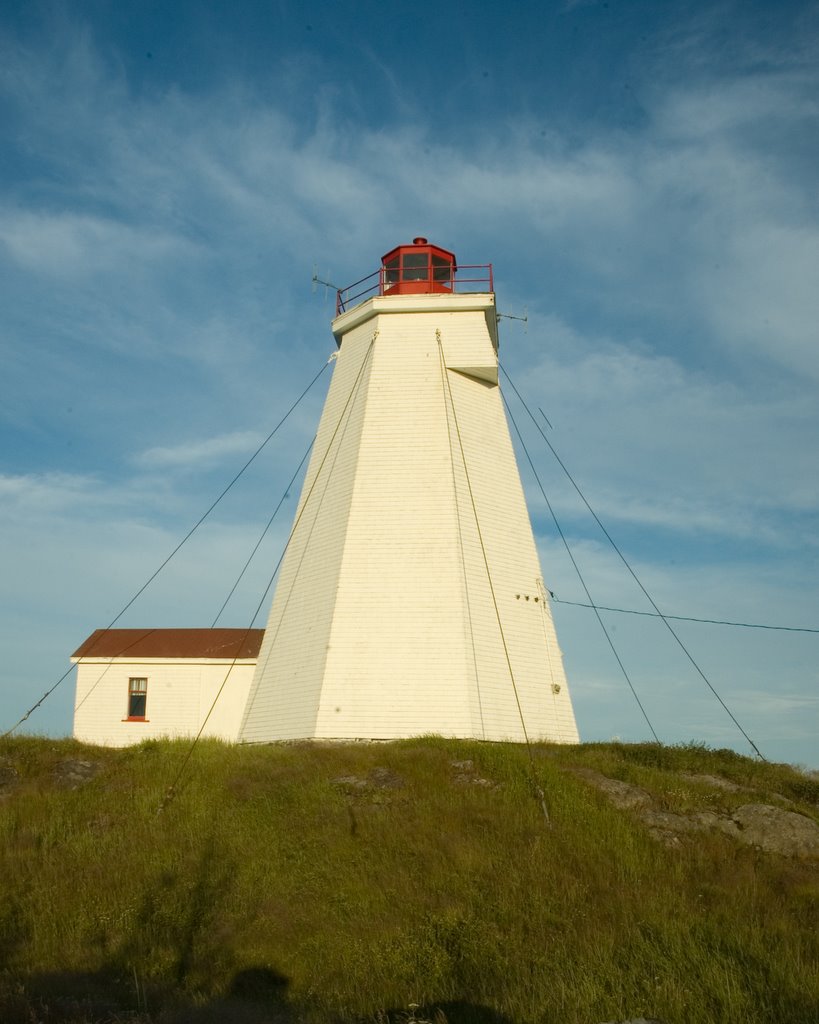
[474,278]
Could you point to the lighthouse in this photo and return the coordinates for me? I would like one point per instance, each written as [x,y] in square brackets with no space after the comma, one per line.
[410,599]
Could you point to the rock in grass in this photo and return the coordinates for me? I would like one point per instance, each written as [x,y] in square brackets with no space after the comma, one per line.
[716,781]
[464,775]
[776,831]
[71,774]
[622,794]
[764,826]
[378,778]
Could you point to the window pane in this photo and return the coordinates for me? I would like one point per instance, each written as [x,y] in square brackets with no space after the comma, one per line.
[391,271]
[441,269]
[416,266]
[136,705]
[137,696]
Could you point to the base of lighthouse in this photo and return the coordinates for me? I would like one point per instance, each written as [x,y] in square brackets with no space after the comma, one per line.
[410,599]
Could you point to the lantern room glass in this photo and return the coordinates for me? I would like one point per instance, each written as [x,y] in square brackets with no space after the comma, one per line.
[418,269]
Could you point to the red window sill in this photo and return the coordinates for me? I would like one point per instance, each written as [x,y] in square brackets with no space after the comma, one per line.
[136,719]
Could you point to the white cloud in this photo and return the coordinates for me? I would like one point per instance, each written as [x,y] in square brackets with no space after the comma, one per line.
[662,205]
[27,494]
[194,453]
[653,443]
[728,106]
[71,245]
[766,295]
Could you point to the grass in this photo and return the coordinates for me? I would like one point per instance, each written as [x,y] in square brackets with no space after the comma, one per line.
[268,890]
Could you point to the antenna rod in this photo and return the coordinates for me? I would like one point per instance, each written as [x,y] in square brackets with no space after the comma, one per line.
[327,284]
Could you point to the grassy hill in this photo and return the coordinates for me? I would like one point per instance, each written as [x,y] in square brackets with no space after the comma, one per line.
[348,882]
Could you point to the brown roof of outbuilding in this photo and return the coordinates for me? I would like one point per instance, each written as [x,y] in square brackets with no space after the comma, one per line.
[171,643]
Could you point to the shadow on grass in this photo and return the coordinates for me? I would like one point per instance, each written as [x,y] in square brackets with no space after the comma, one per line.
[178,918]
[257,995]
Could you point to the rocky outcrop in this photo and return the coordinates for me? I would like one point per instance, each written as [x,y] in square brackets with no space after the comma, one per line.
[378,778]
[777,831]
[622,794]
[764,826]
[716,781]
[71,774]
[464,774]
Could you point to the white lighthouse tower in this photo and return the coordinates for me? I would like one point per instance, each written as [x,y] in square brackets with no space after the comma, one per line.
[410,598]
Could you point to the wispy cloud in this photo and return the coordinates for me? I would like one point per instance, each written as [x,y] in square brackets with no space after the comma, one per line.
[45,492]
[194,453]
[652,442]
[689,203]
[70,245]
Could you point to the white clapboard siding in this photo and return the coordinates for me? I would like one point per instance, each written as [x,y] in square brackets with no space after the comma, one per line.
[410,599]
[179,695]
[196,679]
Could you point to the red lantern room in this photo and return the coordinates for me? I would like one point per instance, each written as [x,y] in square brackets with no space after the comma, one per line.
[417,269]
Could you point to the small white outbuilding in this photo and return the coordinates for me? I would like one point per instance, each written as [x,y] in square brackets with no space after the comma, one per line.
[138,684]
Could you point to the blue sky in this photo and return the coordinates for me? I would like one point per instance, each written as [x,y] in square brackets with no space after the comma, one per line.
[643,178]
